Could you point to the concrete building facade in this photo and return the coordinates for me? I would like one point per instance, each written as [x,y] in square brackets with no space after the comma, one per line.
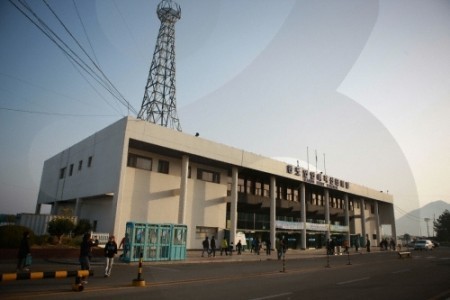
[137,171]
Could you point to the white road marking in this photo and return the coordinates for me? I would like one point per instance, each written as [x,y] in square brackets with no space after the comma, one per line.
[272,296]
[354,280]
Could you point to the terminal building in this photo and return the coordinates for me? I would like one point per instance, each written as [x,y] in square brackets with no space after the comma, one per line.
[136,171]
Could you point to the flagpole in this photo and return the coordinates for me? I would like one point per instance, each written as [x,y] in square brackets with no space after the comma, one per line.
[307,157]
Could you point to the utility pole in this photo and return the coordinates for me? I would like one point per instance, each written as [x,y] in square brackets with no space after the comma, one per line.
[428,229]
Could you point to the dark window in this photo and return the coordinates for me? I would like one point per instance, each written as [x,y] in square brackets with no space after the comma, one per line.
[139,162]
[80,165]
[62,173]
[210,176]
[163,166]
[89,161]
[71,170]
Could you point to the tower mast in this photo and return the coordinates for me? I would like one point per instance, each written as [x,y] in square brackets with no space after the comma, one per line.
[159,103]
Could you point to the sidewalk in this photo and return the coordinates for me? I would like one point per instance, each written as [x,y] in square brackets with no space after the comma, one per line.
[193,256]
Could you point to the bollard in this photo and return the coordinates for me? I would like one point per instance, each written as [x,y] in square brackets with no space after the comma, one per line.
[139,281]
[78,286]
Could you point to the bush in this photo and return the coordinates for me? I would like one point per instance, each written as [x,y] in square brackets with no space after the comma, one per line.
[42,240]
[82,227]
[11,235]
[59,227]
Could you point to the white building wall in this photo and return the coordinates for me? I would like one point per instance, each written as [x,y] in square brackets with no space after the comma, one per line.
[112,193]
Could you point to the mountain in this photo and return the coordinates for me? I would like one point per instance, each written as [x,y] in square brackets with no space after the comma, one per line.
[414,222]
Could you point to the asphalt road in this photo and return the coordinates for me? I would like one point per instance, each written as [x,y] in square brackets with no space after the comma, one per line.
[378,275]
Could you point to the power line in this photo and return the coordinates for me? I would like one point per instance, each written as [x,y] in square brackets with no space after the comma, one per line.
[52,113]
[120,97]
[28,12]
[84,30]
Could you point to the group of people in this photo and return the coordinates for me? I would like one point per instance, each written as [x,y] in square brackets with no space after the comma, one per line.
[331,246]
[86,246]
[209,247]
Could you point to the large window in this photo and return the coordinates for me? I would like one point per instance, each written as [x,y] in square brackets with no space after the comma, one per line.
[163,166]
[210,176]
[139,162]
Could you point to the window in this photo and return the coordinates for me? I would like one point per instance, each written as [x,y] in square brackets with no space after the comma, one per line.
[163,166]
[202,232]
[71,170]
[89,161]
[62,173]
[139,162]
[208,176]
[80,165]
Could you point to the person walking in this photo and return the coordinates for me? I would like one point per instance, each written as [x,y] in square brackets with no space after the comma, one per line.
[24,251]
[357,244]
[239,247]
[110,252]
[278,247]
[125,245]
[268,246]
[213,246]
[368,244]
[224,247]
[85,252]
[205,245]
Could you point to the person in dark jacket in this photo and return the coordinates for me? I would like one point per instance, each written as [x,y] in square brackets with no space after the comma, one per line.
[110,252]
[85,252]
[24,250]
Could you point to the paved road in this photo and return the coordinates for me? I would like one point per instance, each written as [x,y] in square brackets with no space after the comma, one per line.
[303,275]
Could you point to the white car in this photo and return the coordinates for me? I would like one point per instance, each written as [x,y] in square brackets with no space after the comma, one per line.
[423,245]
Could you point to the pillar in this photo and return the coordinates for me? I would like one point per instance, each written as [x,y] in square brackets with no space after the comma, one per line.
[303,213]
[77,207]
[37,211]
[377,223]
[327,212]
[233,204]
[347,218]
[273,210]
[183,189]
[363,221]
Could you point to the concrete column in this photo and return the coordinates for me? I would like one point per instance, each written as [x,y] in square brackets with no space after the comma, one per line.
[183,189]
[303,213]
[37,211]
[273,210]
[347,218]
[327,212]
[54,209]
[377,223]
[233,204]
[394,229]
[77,207]
[363,221]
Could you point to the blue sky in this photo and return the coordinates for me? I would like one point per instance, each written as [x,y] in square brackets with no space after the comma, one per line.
[367,83]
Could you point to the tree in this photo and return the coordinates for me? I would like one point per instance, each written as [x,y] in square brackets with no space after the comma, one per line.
[442,227]
[59,227]
[82,227]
